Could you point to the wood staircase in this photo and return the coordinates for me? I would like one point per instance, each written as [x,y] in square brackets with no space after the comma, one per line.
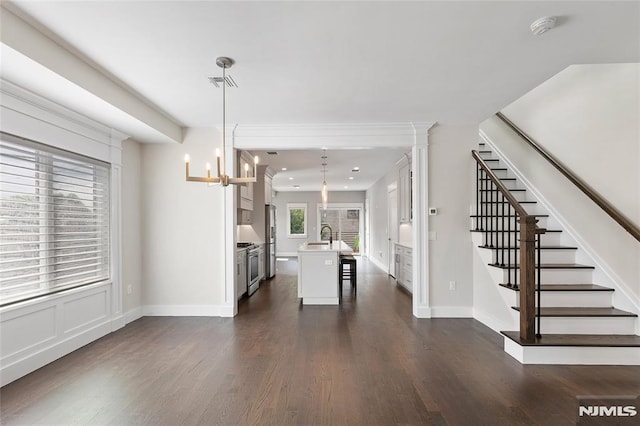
[578,322]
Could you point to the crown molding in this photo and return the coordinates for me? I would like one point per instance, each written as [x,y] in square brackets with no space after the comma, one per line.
[330,136]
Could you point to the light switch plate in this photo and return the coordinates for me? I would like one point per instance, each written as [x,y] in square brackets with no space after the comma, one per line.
[328,262]
[433,211]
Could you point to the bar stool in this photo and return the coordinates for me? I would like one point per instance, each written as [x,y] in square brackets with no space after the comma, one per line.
[348,273]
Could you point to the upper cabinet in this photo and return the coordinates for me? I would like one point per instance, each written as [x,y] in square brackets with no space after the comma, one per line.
[404,193]
[245,198]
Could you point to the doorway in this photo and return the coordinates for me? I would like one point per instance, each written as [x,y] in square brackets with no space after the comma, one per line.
[392,227]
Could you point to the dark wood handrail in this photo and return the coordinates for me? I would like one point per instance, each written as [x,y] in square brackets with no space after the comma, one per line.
[498,183]
[614,213]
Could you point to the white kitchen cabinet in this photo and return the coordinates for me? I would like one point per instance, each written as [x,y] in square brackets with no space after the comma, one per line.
[245,217]
[404,266]
[245,190]
[241,272]
[404,194]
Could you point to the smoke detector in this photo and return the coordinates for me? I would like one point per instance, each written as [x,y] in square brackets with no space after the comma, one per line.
[542,25]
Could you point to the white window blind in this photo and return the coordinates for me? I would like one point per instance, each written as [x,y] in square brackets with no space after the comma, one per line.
[54,220]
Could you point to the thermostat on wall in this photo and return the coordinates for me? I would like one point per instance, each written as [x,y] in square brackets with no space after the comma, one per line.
[433,211]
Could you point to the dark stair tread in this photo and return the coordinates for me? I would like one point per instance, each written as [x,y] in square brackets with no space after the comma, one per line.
[565,287]
[619,340]
[548,266]
[510,190]
[518,247]
[499,169]
[581,312]
[491,159]
[548,231]
[536,215]
[500,178]
[485,151]
[519,202]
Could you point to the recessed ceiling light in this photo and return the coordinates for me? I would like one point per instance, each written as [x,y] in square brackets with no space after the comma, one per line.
[296,186]
[350,177]
[284,169]
[355,169]
[346,187]
[290,178]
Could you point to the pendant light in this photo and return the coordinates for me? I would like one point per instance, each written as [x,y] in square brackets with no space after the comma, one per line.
[222,177]
[325,195]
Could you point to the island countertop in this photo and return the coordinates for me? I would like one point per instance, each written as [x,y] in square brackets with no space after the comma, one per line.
[324,246]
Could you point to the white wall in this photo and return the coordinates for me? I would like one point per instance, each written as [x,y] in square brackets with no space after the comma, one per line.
[451,191]
[131,229]
[587,117]
[183,229]
[289,246]
[379,218]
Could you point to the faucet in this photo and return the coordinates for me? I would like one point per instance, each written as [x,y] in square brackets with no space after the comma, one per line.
[330,232]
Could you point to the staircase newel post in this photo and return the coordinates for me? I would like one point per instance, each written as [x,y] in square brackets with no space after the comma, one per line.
[527,278]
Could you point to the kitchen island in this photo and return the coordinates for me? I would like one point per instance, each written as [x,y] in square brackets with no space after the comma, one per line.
[318,264]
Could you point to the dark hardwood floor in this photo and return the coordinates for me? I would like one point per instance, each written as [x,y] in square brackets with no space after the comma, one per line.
[366,362]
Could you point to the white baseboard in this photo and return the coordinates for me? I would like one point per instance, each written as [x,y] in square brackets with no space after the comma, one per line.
[378,264]
[422,312]
[185,310]
[33,361]
[133,314]
[451,312]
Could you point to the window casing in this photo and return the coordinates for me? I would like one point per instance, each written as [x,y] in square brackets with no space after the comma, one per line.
[54,220]
[297,220]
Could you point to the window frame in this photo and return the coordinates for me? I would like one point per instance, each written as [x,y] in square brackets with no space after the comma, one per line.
[45,157]
[297,206]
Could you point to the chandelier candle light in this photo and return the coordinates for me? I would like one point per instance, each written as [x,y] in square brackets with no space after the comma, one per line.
[221,176]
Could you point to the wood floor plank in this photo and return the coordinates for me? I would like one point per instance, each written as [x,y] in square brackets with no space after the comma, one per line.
[367,361]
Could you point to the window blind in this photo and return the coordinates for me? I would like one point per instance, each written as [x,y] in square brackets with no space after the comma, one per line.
[54,220]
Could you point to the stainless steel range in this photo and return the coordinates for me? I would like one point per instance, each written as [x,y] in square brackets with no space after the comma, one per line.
[253,266]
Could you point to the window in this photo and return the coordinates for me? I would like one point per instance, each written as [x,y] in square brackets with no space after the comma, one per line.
[54,220]
[297,220]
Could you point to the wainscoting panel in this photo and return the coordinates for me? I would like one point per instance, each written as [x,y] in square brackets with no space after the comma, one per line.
[37,332]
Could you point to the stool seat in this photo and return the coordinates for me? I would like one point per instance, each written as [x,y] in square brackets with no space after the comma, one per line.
[347,273]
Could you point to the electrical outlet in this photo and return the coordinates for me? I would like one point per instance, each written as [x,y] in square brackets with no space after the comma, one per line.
[129,289]
[452,285]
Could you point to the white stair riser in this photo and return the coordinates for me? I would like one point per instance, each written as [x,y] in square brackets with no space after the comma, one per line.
[492,209]
[572,355]
[510,184]
[546,256]
[496,222]
[588,325]
[560,276]
[495,197]
[552,238]
[577,299]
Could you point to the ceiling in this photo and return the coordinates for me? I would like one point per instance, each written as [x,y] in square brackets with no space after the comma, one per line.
[302,62]
[304,168]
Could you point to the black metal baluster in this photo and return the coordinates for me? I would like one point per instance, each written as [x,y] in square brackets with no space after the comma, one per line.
[491,230]
[516,243]
[503,205]
[486,212]
[509,251]
[478,183]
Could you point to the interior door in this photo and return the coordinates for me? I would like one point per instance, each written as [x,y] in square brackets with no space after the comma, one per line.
[392,229]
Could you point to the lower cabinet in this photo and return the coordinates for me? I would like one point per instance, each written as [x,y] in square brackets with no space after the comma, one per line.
[241,272]
[404,267]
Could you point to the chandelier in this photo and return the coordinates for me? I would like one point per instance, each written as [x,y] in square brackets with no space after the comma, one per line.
[221,175]
[325,194]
